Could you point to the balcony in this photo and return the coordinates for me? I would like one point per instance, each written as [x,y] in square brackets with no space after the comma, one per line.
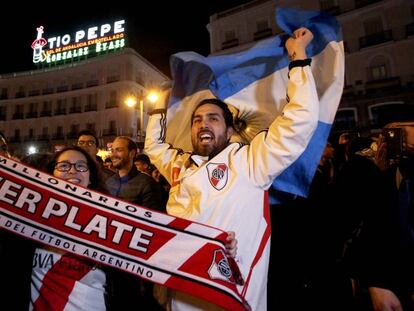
[109,132]
[91,83]
[60,112]
[409,29]
[111,104]
[261,34]
[4,96]
[20,94]
[77,86]
[376,38]
[47,91]
[91,107]
[383,85]
[30,138]
[46,113]
[58,136]
[362,3]
[15,139]
[229,44]
[34,93]
[75,110]
[43,137]
[111,79]
[333,10]
[62,88]
[31,115]
[72,135]
[18,115]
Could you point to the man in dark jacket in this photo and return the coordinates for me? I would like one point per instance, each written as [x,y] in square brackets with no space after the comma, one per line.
[133,186]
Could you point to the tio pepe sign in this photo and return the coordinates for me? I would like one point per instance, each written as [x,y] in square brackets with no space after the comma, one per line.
[81,43]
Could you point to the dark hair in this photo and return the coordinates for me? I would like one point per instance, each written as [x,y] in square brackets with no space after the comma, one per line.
[5,146]
[89,133]
[39,161]
[228,117]
[94,169]
[108,159]
[142,158]
[131,144]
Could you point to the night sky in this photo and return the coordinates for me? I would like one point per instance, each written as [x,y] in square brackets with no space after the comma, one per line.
[154,30]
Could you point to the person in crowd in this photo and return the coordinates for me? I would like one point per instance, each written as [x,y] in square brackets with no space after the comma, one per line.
[143,163]
[131,185]
[68,281]
[4,147]
[163,185]
[88,141]
[384,262]
[224,184]
[108,164]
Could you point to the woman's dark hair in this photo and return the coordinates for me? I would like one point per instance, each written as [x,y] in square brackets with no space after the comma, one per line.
[40,161]
[95,177]
[228,117]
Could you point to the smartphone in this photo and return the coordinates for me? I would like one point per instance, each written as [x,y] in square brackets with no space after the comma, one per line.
[393,137]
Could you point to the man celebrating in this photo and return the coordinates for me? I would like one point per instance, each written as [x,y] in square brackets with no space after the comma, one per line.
[223,184]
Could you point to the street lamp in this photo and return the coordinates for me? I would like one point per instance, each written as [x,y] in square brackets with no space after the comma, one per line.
[131,101]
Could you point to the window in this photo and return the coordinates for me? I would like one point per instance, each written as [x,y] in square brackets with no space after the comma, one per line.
[379,68]
[346,119]
[262,25]
[90,127]
[373,25]
[113,98]
[46,109]
[384,113]
[229,35]
[230,39]
[327,4]
[91,104]
[378,72]
[3,111]
[76,105]
[112,125]
[60,107]
[4,93]
[17,134]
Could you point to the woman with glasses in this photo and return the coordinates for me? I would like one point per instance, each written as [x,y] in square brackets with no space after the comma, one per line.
[61,280]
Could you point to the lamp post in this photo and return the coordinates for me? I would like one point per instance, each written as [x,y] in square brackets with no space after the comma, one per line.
[131,101]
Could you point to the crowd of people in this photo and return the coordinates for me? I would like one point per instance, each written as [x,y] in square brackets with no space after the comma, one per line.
[348,246]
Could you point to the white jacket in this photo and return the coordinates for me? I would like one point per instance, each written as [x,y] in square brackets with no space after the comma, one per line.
[229,190]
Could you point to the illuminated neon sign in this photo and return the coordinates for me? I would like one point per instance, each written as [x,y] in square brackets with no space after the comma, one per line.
[82,43]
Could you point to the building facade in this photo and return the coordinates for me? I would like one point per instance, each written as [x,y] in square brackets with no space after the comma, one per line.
[49,106]
[379,45]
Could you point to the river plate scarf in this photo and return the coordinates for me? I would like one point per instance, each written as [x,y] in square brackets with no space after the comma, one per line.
[177,253]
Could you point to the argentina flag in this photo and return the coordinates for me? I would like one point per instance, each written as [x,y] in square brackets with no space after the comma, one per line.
[253,84]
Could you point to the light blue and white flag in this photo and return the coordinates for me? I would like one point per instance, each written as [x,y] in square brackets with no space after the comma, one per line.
[254,82]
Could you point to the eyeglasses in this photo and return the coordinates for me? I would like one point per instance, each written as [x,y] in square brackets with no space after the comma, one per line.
[65,166]
[86,143]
